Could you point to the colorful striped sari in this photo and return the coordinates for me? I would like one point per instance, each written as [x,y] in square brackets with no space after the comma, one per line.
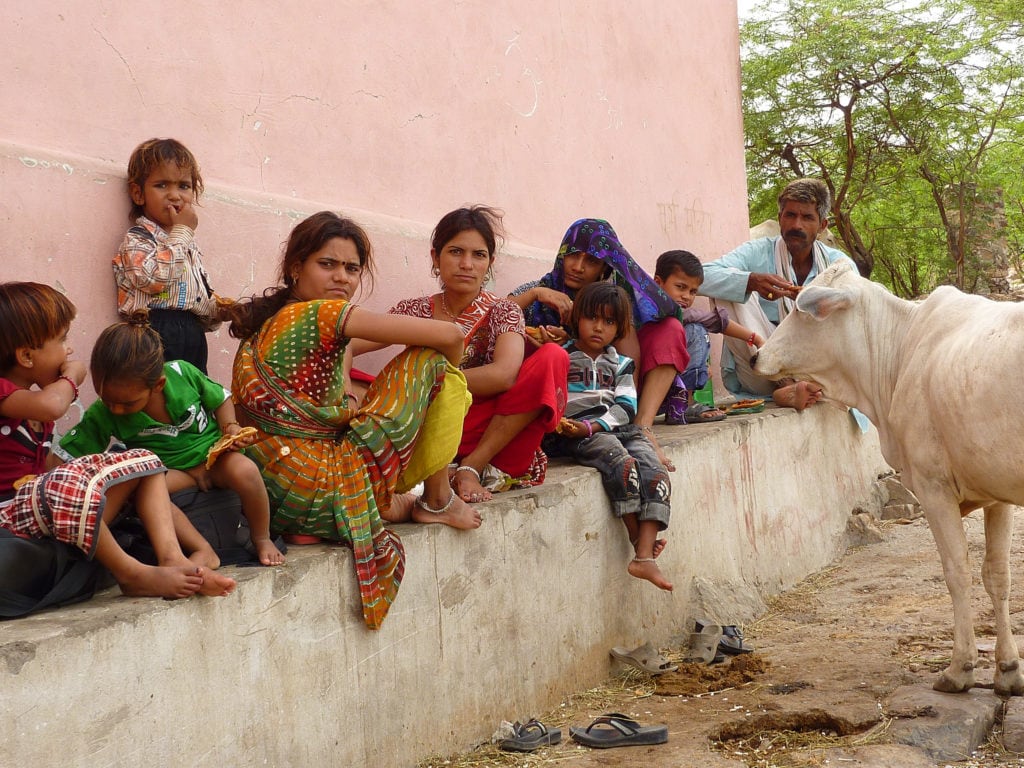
[330,469]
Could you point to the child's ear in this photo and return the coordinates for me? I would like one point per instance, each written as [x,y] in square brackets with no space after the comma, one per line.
[137,195]
[23,357]
[160,383]
[658,281]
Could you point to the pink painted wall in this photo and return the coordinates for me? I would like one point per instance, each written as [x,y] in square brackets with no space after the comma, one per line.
[391,112]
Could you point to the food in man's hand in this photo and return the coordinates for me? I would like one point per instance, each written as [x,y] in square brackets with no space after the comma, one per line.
[564,427]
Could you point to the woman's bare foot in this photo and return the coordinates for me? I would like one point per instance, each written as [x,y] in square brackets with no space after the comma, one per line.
[268,552]
[649,434]
[466,482]
[455,512]
[216,584]
[645,568]
[171,582]
[401,509]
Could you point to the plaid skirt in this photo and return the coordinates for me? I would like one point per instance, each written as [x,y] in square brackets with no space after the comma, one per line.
[67,502]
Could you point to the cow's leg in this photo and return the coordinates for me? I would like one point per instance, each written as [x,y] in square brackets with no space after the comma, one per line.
[996,575]
[947,528]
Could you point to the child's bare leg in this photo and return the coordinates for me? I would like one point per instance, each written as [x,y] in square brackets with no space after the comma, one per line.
[499,433]
[178,480]
[166,526]
[633,531]
[644,566]
[135,578]
[439,495]
[239,473]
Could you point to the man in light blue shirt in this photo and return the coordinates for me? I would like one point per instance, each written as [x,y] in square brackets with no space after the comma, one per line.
[762,279]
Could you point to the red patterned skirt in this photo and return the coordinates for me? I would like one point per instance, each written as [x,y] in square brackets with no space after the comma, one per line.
[67,502]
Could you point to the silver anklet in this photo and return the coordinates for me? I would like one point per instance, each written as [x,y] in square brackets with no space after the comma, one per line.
[644,560]
[424,506]
[467,468]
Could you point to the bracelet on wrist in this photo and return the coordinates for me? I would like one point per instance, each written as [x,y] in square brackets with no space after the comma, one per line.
[74,387]
[750,341]
[590,428]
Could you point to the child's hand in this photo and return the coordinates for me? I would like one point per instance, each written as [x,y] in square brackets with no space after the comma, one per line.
[758,340]
[183,213]
[243,437]
[75,370]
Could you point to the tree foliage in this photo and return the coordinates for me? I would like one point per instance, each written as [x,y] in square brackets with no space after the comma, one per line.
[911,113]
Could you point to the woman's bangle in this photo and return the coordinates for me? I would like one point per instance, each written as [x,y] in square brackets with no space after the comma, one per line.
[590,428]
[74,387]
[750,341]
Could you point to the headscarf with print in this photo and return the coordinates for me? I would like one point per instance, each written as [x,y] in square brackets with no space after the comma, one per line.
[596,238]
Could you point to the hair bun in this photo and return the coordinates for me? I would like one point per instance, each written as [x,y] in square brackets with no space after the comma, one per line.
[139,317]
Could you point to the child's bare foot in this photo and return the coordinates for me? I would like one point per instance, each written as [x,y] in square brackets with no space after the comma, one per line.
[171,582]
[466,482]
[455,512]
[205,557]
[645,568]
[216,584]
[659,547]
[268,552]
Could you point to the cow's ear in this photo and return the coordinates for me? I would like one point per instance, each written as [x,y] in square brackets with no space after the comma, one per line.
[819,302]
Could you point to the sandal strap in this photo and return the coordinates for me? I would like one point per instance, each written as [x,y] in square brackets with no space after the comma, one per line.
[625,725]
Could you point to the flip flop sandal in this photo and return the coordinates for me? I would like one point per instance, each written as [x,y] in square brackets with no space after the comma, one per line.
[695,414]
[530,736]
[704,644]
[745,406]
[732,642]
[645,658]
[615,730]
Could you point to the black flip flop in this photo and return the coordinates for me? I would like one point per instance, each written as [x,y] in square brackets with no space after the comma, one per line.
[732,642]
[530,736]
[615,730]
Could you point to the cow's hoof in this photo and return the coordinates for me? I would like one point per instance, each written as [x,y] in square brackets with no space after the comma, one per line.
[1008,680]
[947,684]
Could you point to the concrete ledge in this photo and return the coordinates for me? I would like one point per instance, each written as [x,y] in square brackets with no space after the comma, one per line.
[494,624]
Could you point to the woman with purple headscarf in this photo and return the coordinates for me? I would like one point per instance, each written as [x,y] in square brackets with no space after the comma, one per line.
[591,251]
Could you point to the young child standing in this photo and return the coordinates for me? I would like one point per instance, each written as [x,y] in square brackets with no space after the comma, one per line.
[177,413]
[598,431]
[75,502]
[680,274]
[159,266]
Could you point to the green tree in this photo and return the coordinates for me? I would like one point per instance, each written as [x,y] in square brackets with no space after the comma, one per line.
[903,110]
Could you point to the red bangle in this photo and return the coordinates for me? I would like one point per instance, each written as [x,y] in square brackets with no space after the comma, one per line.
[750,341]
[74,387]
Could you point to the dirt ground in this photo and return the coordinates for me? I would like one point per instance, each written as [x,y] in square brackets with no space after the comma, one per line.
[827,654]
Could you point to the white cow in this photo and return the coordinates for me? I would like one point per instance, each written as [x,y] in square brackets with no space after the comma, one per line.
[940,379]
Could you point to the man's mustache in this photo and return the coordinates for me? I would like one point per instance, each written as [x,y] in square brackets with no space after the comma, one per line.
[797,233]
